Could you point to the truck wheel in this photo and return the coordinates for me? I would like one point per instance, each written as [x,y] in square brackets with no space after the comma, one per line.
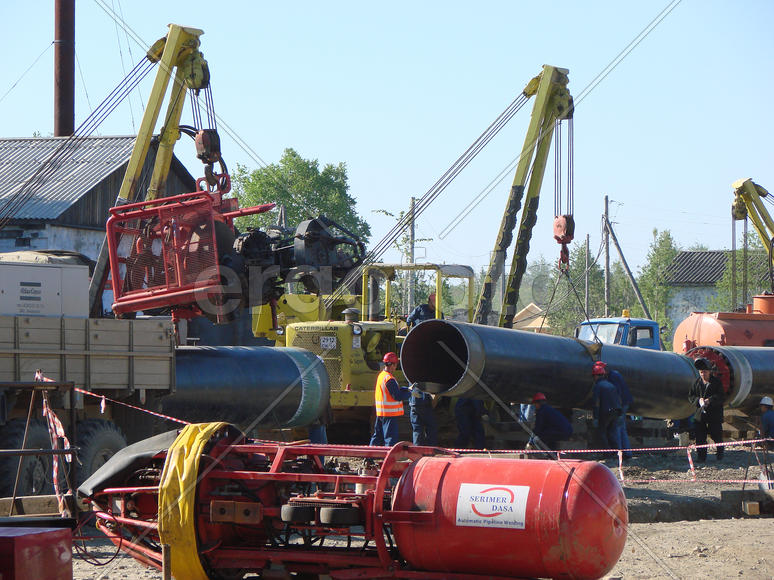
[36,475]
[98,440]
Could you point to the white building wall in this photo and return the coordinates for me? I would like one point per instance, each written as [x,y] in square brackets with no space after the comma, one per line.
[84,241]
[687,299]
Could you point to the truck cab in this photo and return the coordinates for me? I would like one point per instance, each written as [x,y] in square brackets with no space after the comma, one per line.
[623,330]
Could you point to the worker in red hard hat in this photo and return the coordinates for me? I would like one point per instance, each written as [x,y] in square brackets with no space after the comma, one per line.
[708,396]
[616,378]
[607,408]
[551,426]
[767,420]
[388,398]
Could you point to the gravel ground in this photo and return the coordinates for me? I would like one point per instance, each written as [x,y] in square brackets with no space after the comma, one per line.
[680,528]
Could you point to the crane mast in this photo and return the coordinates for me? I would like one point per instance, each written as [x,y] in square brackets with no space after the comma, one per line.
[748,202]
[552,102]
[178,55]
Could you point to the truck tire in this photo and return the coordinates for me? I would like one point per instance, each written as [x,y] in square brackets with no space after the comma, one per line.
[98,440]
[36,475]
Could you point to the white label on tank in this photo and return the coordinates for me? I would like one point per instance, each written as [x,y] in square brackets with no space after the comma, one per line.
[327,342]
[490,505]
[356,341]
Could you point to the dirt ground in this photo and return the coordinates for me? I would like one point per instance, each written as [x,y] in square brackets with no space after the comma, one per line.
[679,528]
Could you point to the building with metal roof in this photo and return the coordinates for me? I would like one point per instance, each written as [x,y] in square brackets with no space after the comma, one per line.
[72,183]
[693,277]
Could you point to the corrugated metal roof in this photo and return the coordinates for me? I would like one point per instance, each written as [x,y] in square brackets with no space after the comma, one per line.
[80,164]
[696,268]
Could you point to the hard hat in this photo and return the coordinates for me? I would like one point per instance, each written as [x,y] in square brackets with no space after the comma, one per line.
[702,364]
[599,369]
[767,401]
[390,357]
[538,397]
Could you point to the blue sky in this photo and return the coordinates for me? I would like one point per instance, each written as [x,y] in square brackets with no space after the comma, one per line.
[399,90]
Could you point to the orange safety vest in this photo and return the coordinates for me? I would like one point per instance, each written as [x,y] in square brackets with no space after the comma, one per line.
[386,406]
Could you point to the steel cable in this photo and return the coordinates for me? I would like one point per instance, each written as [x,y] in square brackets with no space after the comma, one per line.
[50,166]
[435,190]
[54,161]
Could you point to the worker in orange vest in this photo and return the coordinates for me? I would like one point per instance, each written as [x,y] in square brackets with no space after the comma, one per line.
[388,397]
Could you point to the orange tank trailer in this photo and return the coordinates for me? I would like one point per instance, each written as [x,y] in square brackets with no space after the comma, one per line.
[755,327]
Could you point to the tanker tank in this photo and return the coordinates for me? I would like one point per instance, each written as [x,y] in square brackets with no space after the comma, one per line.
[456,358]
[239,383]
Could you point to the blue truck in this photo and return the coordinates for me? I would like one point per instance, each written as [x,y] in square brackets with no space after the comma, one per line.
[623,330]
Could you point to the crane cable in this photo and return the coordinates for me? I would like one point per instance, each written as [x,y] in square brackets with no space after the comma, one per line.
[435,190]
[51,165]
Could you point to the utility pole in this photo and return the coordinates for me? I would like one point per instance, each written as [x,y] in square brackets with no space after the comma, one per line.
[411,256]
[734,303]
[632,281]
[588,259]
[607,262]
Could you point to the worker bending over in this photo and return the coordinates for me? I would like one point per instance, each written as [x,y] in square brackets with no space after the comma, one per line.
[607,407]
[551,426]
[626,400]
[388,397]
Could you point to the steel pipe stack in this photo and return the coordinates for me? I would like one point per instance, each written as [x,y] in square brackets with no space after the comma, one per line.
[239,383]
[457,358]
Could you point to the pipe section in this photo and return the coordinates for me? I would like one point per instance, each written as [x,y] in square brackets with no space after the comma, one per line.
[238,383]
[747,372]
[456,358]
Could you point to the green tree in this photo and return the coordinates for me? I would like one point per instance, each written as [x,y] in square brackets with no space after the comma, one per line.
[652,279]
[567,309]
[757,277]
[304,191]
[424,284]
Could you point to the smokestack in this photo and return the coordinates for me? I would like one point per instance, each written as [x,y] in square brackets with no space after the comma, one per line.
[64,68]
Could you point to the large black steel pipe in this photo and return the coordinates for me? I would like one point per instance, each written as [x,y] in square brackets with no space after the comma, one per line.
[746,371]
[457,358]
[239,383]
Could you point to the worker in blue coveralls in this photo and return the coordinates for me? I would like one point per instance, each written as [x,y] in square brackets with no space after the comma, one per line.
[424,427]
[767,420]
[388,398]
[626,400]
[423,312]
[551,426]
[607,407]
[468,413]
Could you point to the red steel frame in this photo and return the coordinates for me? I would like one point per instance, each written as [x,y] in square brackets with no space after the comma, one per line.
[374,559]
[212,207]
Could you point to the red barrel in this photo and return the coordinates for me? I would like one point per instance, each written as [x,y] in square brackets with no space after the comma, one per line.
[512,517]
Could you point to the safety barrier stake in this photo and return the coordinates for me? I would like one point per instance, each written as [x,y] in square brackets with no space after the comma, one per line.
[690,461]
[620,466]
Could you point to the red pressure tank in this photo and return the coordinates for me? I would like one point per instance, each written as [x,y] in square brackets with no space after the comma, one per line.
[530,518]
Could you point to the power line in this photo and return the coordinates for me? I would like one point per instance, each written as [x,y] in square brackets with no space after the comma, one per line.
[29,68]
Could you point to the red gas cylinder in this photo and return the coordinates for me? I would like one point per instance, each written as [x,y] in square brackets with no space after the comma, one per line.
[528,518]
